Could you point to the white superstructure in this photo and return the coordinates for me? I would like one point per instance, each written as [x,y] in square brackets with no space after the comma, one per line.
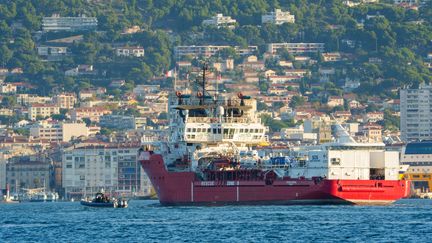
[350,161]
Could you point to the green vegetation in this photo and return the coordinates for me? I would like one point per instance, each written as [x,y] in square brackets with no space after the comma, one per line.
[400,38]
[276,125]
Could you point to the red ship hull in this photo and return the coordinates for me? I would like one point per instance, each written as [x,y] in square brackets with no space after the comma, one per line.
[183,188]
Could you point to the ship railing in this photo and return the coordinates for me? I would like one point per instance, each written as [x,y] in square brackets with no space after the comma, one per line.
[218,120]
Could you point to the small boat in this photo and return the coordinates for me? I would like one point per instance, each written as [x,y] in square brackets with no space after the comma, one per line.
[101,200]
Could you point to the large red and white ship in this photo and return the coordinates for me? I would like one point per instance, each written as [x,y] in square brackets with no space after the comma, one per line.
[210,157]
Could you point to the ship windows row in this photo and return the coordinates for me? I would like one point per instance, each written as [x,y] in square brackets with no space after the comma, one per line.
[226,131]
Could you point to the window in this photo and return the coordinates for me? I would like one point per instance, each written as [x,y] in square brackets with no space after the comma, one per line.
[335,161]
[69,165]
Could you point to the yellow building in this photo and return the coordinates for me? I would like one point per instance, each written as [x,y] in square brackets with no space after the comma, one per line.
[418,156]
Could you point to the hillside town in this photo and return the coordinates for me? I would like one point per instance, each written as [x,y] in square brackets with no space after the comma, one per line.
[77,141]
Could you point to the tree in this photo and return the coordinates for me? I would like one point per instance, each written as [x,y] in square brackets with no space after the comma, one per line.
[5,55]
[296,101]
[8,101]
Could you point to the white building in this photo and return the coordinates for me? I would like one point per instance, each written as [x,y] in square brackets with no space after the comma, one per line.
[58,132]
[407,2]
[278,17]
[112,167]
[122,122]
[415,108]
[220,21]
[8,88]
[210,50]
[130,51]
[52,53]
[57,23]
[295,48]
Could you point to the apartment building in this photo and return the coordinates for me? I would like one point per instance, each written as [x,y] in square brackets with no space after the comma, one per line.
[57,23]
[220,21]
[278,17]
[28,99]
[113,167]
[42,110]
[65,100]
[295,48]
[59,131]
[92,113]
[415,110]
[122,122]
[210,50]
[26,172]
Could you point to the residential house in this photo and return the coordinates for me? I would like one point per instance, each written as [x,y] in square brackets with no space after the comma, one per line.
[8,88]
[130,51]
[91,113]
[342,116]
[374,116]
[334,101]
[331,57]
[278,17]
[370,133]
[220,21]
[81,70]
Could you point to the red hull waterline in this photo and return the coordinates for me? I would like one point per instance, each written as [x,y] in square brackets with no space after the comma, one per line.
[183,188]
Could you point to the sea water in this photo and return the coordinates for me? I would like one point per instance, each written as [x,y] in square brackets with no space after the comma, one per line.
[147,221]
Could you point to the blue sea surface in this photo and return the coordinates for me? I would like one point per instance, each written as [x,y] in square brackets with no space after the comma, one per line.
[147,221]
